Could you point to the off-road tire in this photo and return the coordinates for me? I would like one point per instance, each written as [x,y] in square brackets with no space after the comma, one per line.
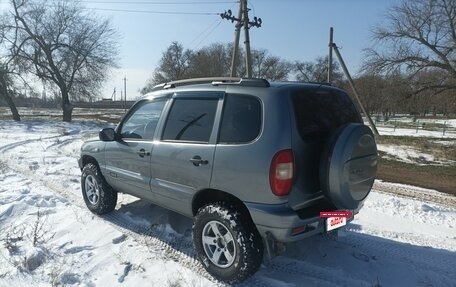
[246,240]
[106,199]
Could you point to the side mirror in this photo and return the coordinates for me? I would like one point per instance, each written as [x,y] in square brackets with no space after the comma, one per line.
[107,135]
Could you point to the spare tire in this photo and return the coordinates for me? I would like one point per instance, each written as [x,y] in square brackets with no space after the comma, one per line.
[348,165]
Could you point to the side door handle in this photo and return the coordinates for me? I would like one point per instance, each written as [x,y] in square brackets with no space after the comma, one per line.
[142,152]
[198,161]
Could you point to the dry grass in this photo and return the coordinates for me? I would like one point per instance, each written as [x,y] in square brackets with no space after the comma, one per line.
[438,177]
[425,145]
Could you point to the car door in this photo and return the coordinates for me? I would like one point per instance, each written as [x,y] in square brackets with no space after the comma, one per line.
[128,158]
[182,160]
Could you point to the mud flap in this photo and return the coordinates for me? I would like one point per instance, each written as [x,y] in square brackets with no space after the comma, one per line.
[273,248]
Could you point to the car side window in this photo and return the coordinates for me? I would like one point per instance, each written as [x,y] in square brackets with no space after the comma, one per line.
[190,120]
[141,124]
[241,119]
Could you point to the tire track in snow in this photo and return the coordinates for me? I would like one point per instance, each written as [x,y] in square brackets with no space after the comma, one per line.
[440,262]
[177,251]
[180,251]
[7,147]
[365,246]
[414,193]
[325,276]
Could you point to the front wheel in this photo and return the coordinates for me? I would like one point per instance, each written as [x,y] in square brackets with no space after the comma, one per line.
[227,243]
[98,195]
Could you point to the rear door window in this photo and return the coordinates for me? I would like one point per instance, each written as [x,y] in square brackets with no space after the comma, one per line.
[241,119]
[319,113]
[190,120]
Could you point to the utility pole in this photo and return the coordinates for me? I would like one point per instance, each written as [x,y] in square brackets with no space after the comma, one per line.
[242,21]
[333,46]
[125,92]
[248,60]
[237,35]
[125,87]
[330,55]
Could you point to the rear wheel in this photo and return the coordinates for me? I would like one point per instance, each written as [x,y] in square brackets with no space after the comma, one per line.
[98,195]
[228,245]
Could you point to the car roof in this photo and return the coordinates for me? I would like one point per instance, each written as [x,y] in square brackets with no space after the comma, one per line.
[248,82]
[215,83]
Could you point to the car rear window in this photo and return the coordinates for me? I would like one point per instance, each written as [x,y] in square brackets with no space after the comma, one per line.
[319,113]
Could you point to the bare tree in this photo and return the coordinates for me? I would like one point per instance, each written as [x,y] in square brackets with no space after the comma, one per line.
[64,46]
[211,61]
[419,36]
[446,102]
[317,71]
[6,72]
[385,95]
[269,67]
[174,65]
[5,91]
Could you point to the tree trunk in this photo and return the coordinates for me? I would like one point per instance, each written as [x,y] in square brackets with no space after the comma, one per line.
[67,107]
[13,108]
[9,100]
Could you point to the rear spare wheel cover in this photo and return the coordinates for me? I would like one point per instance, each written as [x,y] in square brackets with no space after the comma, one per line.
[348,165]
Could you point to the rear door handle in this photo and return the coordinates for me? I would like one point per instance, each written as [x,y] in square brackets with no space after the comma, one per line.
[198,161]
[142,152]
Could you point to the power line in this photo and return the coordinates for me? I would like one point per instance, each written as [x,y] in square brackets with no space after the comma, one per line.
[159,3]
[210,27]
[208,34]
[146,11]
[153,12]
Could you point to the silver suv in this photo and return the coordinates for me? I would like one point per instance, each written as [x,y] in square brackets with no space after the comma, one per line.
[250,161]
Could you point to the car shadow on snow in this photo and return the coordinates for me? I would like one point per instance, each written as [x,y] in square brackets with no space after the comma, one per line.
[356,259]
[351,259]
[154,222]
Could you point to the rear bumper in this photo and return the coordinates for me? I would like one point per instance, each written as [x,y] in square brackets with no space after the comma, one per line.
[280,222]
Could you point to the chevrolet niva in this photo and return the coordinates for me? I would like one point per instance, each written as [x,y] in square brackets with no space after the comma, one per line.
[248,160]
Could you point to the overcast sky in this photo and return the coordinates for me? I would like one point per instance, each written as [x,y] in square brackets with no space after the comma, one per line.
[291,29]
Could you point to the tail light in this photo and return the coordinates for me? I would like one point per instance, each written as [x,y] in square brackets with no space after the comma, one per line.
[281,173]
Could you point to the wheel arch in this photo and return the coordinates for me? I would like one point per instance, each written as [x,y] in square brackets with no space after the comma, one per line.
[86,159]
[207,196]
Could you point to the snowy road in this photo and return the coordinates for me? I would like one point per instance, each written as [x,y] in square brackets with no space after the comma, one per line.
[404,236]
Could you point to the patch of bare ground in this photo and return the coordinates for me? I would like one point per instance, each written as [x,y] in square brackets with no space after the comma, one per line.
[440,178]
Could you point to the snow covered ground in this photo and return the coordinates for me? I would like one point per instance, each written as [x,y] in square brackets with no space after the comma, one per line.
[410,154]
[404,236]
[422,127]
[411,132]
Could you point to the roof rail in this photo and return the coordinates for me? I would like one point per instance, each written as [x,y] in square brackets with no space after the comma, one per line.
[321,83]
[252,82]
